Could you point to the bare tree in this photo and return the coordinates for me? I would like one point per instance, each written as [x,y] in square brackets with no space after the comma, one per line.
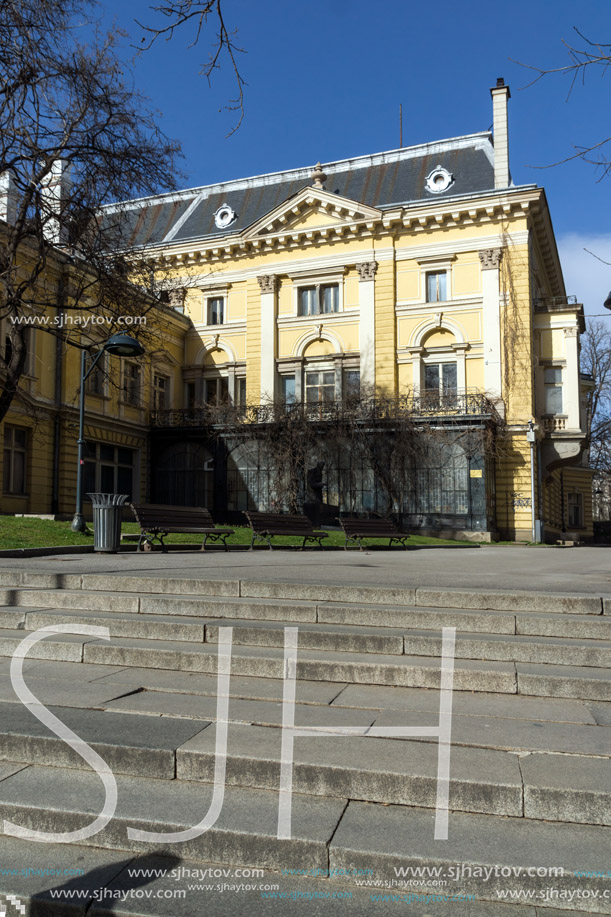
[198,14]
[588,57]
[75,135]
[596,360]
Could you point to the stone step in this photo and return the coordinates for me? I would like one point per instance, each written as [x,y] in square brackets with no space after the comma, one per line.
[499,600]
[122,624]
[414,617]
[550,680]
[201,606]
[312,665]
[114,883]
[515,648]
[484,856]
[130,744]
[61,800]
[111,882]
[553,786]
[378,770]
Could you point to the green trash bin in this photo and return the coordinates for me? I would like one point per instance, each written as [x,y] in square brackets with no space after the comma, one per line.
[107,513]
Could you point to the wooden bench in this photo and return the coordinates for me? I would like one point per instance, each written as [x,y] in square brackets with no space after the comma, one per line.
[357,529]
[265,525]
[156,520]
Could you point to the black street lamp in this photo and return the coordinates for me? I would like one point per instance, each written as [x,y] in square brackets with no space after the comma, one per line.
[607,302]
[119,345]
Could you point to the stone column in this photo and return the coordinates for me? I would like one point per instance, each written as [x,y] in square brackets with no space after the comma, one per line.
[416,355]
[490,259]
[570,382]
[267,285]
[367,329]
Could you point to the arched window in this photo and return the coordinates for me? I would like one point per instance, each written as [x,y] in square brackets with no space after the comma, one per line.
[183,476]
[438,485]
[249,484]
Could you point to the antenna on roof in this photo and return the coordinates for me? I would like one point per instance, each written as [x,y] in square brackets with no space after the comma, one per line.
[400,126]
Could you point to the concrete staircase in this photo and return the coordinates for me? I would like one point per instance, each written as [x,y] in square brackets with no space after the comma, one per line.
[531,742]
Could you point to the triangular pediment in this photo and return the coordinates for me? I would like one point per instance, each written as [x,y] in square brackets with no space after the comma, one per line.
[309,210]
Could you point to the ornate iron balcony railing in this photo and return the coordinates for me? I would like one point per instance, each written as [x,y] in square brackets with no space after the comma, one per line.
[420,408]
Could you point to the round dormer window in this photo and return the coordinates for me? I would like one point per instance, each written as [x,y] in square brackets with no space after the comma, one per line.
[224,216]
[439,180]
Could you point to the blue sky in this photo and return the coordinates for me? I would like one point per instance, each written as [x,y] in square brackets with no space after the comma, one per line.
[325,80]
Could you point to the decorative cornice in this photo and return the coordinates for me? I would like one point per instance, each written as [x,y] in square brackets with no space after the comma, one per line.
[367,270]
[490,258]
[177,297]
[267,283]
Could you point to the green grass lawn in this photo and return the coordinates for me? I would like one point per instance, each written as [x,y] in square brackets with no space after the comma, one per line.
[44,533]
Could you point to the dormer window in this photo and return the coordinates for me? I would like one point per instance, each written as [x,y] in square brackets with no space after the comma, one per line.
[439,180]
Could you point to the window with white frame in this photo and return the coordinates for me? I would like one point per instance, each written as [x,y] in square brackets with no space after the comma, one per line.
[109,469]
[351,389]
[288,389]
[132,383]
[240,391]
[318,299]
[216,310]
[15,458]
[161,392]
[216,391]
[440,381]
[552,378]
[320,386]
[436,286]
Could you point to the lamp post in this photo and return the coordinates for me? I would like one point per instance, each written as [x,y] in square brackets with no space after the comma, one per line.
[119,345]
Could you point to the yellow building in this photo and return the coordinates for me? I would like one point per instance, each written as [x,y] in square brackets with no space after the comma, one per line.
[422,280]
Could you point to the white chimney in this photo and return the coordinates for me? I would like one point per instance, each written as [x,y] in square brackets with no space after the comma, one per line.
[500,96]
[9,198]
[54,194]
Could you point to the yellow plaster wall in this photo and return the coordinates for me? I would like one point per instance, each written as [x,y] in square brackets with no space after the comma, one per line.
[440,337]
[552,346]
[319,349]
[513,477]
[351,290]
[385,350]
[466,276]
[236,310]
[285,297]
[405,378]
[408,281]
[474,372]
[517,335]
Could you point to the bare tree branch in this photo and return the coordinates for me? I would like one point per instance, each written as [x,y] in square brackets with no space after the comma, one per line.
[65,109]
[582,60]
[197,14]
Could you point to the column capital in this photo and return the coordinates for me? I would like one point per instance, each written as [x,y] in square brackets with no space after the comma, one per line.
[490,258]
[177,297]
[571,332]
[267,283]
[367,270]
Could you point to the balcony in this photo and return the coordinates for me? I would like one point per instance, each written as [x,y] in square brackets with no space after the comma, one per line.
[428,407]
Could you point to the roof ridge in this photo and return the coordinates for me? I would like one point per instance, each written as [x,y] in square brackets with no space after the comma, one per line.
[480,139]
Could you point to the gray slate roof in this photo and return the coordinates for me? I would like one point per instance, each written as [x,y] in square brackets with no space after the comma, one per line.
[381,180]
